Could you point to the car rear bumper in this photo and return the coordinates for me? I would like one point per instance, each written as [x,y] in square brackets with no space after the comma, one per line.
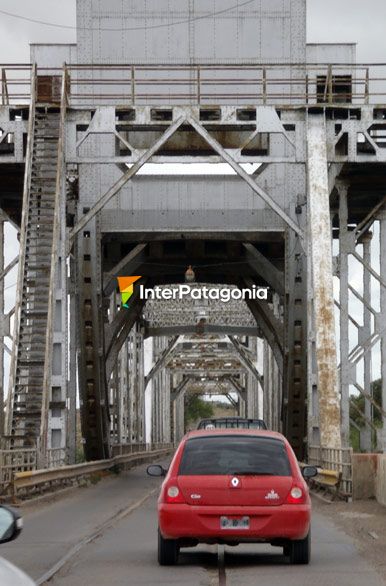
[203,523]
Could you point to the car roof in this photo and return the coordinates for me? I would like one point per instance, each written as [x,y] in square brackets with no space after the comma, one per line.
[232,418]
[254,432]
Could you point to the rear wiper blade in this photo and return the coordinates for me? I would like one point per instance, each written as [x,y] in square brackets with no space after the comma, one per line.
[249,473]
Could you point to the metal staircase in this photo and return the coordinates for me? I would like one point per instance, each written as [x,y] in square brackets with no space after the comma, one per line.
[31,335]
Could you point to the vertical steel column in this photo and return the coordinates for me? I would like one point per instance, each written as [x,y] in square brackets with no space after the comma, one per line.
[294,398]
[154,411]
[72,383]
[113,384]
[2,330]
[312,375]
[161,410]
[266,376]
[344,247]
[319,232]
[173,409]
[366,435]
[249,395]
[148,346]
[155,405]
[248,388]
[54,402]
[180,413]
[251,386]
[166,435]
[242,403]
[276,403]
[123,395]
[130,386]
[90,323]
[277,382]
[382,253]
[260,389]
[121,390]
[140,386]
[134,387]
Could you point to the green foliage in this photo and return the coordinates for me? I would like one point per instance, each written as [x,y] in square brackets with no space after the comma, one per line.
[355,439]
[357,406]
[358,403]
[196,408]
[79,455]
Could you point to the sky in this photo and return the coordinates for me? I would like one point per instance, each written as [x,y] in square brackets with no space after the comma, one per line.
[327,21]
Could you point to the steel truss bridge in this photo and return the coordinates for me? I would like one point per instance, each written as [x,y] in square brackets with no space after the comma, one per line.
[306,143]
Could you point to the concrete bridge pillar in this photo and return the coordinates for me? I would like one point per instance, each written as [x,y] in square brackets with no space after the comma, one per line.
[319,232]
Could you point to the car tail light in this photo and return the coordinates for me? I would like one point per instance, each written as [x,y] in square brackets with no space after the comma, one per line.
[297,495]
[173,494]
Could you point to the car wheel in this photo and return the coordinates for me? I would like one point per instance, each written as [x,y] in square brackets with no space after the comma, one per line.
[168,550]
[300,551]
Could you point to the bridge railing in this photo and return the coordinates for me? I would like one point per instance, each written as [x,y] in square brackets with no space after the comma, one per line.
[19,468]
[122,449]
[13,461]
[339,460]
[281,84]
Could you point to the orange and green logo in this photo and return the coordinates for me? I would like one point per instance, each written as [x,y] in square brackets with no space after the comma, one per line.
[126,288]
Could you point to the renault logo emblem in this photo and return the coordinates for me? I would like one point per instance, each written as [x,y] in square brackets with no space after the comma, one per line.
[235,482]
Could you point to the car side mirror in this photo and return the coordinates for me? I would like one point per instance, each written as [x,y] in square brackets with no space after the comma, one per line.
[156,470]
[309,471]
[11,524]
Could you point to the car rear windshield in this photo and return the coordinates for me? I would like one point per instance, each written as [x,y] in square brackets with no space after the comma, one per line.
[236,454]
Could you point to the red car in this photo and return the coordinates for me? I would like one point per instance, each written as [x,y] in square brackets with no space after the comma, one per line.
[234,486]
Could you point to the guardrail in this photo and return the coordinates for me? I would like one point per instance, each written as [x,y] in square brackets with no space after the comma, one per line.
[281,85]
[25,460]
[335,468]
[327,481]
[38,482]
[18,465]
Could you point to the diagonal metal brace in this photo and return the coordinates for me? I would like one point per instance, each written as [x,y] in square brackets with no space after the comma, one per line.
[179,388]
[265,268]
[237,386]
[244,175]
[9,267]
[162,359]
[125,178]
[129,263]
[245,360]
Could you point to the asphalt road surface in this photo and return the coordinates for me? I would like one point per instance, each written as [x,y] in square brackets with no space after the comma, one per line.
[124,551]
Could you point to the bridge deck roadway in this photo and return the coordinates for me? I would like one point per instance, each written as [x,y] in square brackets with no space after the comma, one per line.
[125,552]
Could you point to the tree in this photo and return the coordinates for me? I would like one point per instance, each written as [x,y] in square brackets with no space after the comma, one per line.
[196,408]
[357,404]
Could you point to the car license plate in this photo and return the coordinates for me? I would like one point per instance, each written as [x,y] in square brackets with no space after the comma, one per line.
[238,523]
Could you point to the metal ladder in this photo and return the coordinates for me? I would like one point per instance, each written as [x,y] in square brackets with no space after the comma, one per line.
[34,295]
